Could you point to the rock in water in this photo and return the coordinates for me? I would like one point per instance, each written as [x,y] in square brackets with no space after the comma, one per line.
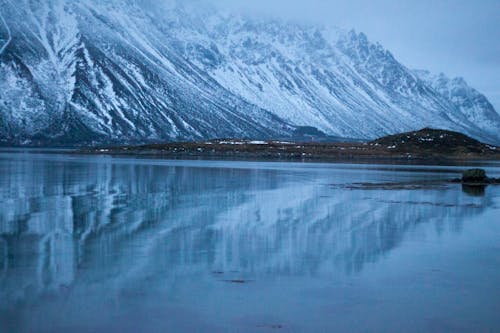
[474,176]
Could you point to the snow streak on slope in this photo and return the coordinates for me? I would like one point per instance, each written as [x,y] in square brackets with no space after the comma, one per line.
[9,36]
[79,72]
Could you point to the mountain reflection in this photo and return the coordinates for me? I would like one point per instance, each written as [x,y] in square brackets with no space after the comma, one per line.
[67,224]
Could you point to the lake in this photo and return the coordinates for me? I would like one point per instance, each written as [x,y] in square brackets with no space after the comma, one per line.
[102,244]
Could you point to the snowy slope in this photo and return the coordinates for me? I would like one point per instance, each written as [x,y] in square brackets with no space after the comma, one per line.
[113,71]
[474,105]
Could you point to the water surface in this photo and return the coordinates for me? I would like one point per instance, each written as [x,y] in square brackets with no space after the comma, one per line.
[118,244]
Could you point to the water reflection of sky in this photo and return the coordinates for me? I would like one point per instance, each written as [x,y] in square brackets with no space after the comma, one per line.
[84,229]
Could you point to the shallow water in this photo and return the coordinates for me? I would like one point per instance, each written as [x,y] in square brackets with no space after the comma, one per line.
[118,244]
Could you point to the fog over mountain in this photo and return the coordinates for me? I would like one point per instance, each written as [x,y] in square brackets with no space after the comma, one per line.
[114,71]
[457,37]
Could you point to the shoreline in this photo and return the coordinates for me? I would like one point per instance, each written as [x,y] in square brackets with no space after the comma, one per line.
[243,157]
[347,152]
[425,146]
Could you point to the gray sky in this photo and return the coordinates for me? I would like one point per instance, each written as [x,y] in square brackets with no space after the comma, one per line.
[457,37]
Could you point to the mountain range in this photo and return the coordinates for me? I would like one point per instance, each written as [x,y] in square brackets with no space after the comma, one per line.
[88,72]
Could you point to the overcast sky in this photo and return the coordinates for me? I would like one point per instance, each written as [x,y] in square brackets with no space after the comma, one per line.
[457,37]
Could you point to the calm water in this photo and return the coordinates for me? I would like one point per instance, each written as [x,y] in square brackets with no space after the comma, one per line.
[96,244]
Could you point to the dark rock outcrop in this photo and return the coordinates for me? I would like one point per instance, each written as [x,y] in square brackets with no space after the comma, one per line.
[474,176]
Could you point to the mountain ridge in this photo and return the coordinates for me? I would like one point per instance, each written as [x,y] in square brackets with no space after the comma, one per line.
[102,72]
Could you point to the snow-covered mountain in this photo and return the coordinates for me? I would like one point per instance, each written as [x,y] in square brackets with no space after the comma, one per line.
[116,71]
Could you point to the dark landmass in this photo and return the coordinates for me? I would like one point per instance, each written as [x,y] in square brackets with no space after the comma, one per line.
[390,186]
[426,144]
[434,142]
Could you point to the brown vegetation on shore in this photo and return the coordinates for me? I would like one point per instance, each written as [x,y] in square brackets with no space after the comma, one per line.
[423,144]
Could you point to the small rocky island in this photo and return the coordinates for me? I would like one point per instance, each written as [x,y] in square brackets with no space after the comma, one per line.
[475,181]
[430,145]
[476,177]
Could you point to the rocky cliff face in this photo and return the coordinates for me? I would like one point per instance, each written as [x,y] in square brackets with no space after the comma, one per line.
[94,71]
